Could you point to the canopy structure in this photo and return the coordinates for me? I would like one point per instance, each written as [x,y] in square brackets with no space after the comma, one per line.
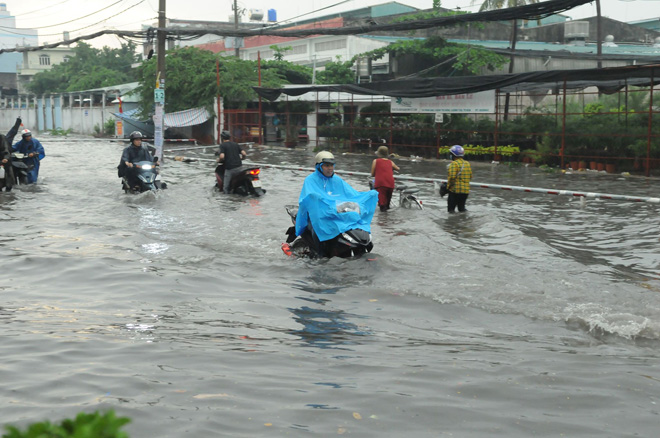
[179,119]
[608,80]
[191,117]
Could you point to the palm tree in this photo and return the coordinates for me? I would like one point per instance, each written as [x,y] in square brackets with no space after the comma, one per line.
[489,5]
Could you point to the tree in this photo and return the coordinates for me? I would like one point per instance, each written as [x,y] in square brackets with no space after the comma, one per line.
[456,56]
[337,72]
[489,5]
[192,80]
[88,68]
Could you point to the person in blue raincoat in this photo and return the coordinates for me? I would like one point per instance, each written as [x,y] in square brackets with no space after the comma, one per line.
[34,152]
[331,204]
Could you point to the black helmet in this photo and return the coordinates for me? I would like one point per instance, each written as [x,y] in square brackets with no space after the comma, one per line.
[225,135]
[135,135]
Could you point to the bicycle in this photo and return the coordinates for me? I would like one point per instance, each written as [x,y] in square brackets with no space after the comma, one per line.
[407,197]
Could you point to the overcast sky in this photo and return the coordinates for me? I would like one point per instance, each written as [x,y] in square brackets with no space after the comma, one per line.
[84,17]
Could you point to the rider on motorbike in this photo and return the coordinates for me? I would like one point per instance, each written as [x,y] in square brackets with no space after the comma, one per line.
[134,153]
[331,204]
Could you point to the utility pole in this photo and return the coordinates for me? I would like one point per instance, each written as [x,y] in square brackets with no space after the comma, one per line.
[599,35]
[159,91]
[236,49]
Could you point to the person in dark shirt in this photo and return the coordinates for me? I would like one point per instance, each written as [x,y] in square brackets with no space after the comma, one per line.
[5,155]
[232,156]
[134,153]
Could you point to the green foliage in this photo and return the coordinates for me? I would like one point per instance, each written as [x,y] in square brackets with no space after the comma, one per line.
[88,68]
[62,132]
[479,150]
[288,72]
[279,52]
[437,49]
[434,13]
[94,425]
[336,72]
[109,127]
[192,81]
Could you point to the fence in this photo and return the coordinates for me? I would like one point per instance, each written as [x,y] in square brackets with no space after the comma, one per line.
[580,129]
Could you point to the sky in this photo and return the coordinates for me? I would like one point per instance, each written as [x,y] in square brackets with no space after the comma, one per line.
[85,17]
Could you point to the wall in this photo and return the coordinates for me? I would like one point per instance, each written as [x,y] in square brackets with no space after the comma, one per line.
[45,115]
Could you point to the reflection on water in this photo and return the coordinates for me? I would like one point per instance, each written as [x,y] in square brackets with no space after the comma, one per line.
[323,327]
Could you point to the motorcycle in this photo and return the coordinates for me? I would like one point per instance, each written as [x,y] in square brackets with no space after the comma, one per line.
[245,183]
[351,243]
[20,168]
[148,178]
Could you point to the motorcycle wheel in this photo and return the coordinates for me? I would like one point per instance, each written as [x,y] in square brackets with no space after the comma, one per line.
[299,248]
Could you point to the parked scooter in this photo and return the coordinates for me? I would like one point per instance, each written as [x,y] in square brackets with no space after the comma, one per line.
[148,178]
[350,243]
[245,183]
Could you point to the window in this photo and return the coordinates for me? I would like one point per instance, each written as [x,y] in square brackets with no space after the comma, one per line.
[299,49]
[330,45]
[44,60]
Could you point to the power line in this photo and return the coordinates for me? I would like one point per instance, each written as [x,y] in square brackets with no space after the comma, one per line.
[41,9]
[530,11]
[102,21]
[79,18]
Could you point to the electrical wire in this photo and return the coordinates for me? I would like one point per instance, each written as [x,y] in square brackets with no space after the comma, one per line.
[535,10]
[104,20]
[79,18]
[41,9]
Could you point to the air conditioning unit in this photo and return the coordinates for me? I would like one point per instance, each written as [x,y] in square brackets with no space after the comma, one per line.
[576,32]
[256,14]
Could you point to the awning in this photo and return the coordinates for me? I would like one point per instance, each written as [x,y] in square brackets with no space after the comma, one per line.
[195,116]
[606,79]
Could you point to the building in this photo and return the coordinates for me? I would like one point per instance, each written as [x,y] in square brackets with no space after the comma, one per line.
[10,38]
[39,61]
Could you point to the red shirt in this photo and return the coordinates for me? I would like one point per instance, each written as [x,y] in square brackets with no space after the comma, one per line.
[383,173]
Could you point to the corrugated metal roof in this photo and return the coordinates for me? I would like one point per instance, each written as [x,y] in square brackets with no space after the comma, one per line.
[623,49]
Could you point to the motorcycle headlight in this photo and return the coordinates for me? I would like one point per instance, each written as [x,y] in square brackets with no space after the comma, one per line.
[147,167]
[348,238]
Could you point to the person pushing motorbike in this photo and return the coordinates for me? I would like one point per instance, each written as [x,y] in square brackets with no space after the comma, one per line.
[135,152]
[232,155]
[33,151]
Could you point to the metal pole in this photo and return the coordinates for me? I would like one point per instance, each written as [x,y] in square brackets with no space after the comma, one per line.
[587,195]
[648,140]
[496,136]
[261,141]
[217,75]
[236,50]
[599,35]
[159,96]
[563,127]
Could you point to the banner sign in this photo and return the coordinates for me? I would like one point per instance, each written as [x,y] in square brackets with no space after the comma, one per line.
[158,131]
[473,103]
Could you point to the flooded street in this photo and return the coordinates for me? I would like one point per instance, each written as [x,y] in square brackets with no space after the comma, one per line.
[531,315]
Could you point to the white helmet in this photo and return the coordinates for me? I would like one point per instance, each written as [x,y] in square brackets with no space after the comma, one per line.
[325,157]
[26,133]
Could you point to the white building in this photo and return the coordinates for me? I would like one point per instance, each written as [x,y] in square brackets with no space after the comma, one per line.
[10,38]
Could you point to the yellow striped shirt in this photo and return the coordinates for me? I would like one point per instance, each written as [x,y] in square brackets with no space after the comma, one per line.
[458,181]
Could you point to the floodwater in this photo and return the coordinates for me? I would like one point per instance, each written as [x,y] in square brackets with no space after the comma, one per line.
[530,315]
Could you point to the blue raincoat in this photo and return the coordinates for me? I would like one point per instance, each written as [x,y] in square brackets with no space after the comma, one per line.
[333,206]
[26,147]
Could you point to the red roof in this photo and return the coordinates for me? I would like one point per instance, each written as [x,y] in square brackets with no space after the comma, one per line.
[266,40]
